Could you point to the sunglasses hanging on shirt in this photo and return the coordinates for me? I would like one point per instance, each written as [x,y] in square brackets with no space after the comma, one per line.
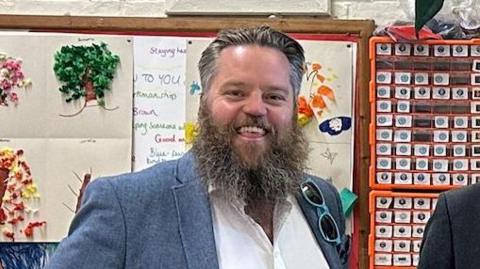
[326,223]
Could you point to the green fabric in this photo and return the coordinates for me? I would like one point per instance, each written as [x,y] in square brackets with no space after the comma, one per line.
[425,10]
[348,199]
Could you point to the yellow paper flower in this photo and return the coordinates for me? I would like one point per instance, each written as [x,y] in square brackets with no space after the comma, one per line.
[191,132]
[7,158]
[6,152]
[303,120]
[30,191]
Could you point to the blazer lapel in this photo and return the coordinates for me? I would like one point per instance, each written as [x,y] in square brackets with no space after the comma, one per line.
[194,217]
[328,249]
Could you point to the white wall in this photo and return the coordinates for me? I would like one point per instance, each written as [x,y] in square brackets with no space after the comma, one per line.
[382,11]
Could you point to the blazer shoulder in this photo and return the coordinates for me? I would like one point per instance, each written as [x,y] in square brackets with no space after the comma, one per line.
[141,185]
[467,191]
[159,173]
[324,185]
[465,198]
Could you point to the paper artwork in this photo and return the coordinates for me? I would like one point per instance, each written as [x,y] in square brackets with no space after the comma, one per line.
[12,78]
[19,196]
[325,108]
[86,71]
[58,134]
[25,256]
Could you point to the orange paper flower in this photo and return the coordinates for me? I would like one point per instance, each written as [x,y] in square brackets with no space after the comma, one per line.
[327,92]
[303,107]
[317,102]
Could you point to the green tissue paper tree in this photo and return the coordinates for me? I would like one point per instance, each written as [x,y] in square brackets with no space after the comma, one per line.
[85,71]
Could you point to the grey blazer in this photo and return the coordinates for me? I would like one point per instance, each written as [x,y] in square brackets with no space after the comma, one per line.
[452,235]
[160,218]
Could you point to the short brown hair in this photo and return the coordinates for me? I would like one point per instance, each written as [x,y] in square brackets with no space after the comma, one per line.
[262,36]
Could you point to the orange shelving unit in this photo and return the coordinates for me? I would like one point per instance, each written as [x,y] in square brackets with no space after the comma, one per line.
[424,137]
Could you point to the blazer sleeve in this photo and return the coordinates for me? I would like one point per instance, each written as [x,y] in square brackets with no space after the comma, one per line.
[96,237]
[436,249]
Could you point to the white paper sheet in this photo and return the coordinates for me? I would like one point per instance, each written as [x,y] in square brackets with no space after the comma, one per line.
[332,154]
[159,99]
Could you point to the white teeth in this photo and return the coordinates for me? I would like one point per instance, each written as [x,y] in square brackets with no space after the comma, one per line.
[252,129]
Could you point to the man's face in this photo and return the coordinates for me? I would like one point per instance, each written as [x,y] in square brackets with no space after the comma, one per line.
[251,92]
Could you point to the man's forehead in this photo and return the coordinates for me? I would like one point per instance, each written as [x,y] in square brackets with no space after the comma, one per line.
[243,49]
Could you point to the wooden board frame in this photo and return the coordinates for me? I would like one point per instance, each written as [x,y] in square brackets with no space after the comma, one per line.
[362,29]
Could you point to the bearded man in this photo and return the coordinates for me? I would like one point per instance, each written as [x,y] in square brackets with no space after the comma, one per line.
[240,197]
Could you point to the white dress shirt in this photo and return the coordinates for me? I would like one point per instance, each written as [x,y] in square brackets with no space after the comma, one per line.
[242,244]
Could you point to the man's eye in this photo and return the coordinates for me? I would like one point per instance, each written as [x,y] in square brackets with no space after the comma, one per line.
[235,93]
[276,97]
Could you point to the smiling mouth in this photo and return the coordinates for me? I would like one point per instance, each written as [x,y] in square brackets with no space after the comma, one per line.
[251,131]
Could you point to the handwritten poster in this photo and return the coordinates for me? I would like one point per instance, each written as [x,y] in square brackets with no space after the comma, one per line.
[159,99]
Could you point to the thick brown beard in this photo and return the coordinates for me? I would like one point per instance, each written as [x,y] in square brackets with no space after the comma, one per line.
[275,172]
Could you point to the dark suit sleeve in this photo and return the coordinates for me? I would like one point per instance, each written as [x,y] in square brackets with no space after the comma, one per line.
[436,249]
[97,233]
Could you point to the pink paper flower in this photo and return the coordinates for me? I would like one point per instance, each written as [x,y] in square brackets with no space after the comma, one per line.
[11,79]
[6,85]
[13,97]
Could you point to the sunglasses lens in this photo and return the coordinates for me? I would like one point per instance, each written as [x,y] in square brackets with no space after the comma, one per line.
[329,227]
[312,193]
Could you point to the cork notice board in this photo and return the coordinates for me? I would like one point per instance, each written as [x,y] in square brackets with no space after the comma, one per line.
[308,28]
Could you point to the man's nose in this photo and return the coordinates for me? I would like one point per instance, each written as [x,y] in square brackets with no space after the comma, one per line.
[255,105]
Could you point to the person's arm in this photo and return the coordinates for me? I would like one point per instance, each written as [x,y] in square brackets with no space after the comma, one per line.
[97,234]
[436,249]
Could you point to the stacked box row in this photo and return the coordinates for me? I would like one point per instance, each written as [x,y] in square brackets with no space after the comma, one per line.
[397,224]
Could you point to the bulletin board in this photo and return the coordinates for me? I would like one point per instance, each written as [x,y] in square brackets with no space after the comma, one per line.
[335,30]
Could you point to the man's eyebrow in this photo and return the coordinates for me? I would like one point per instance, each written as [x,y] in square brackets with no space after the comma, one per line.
[234,83]
[279,89]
